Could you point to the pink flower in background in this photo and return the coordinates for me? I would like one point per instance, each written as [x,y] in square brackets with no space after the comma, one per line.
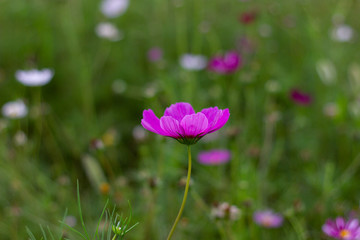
[300,97]
[268,219]
[340,229]
[248,17]
[226,64]
[155,54]
[214,157]
[182,123]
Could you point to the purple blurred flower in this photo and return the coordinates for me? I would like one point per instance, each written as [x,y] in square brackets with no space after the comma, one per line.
[226,64]
[342,33]
[300,97]
[214,157]
[155,54]
[182,123]
[340,229]
[268,219]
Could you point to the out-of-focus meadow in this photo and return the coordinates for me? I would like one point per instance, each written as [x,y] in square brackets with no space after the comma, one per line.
[293,132]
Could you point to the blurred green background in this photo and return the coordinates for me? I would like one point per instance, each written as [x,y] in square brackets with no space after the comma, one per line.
[300,160]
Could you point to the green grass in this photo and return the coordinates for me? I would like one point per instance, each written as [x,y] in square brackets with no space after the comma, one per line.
[303,164]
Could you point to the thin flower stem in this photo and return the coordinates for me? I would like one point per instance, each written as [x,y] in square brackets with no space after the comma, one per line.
[185,195]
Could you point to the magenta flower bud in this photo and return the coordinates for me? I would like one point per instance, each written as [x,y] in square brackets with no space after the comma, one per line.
[182,123]
[340,229]
[214,157]
[300,97]
[268,219]
[226,64]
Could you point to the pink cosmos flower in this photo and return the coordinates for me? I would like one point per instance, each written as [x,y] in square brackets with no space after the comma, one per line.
[268,219]
[214,157]
[300,97]
[226,64]
[340,229]
[182,123]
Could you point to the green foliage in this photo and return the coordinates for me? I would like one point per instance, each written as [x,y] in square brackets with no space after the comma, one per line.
[111,221]
[301,161]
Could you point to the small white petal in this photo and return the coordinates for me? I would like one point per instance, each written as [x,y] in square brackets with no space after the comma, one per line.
[193,62]
[108,31]
[14,110]
[114,8]
[34,77]
[342,33]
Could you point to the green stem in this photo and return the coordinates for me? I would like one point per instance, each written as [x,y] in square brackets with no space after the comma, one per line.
[185,196]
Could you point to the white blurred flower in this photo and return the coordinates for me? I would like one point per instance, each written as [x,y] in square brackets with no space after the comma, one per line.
[139,133]
[114,8]
[326,71]
[272,86]
[119,86]
[331,110]
[109,31]
[34,77]
[342,33]
[150,90]
[20,138]
[15,109]
[265,30]
[70,221]
[225,210]
[193,62]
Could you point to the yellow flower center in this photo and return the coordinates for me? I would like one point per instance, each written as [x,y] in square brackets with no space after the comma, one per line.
[267,221]
[344,233]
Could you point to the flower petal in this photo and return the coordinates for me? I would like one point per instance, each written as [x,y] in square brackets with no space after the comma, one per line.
[212,114]
[340,222]
[352,224]
[328,228]
[220,121]
[179,110]
[194,124]
[171,127]
[151,122]
[232,60]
